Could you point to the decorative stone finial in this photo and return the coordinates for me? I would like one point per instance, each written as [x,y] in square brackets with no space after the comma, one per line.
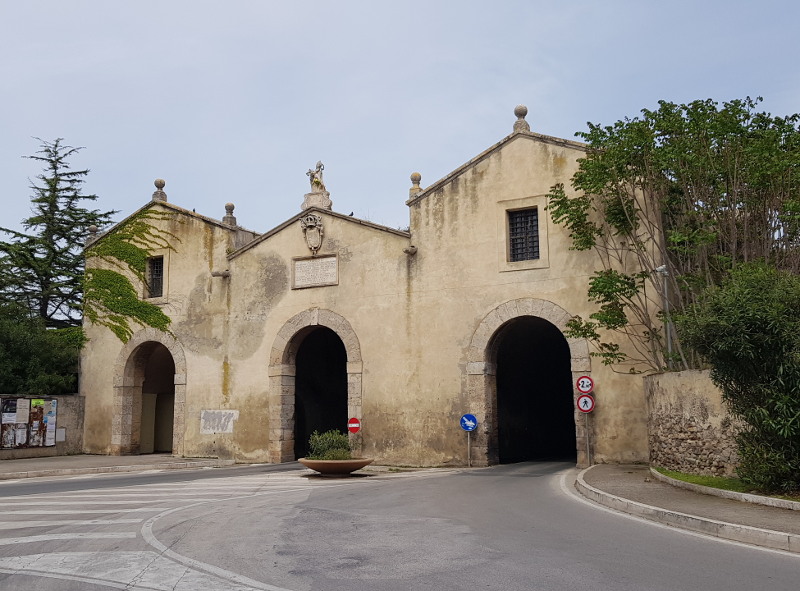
[520,124]
[319,196]
[229,218]
[415,188]
[159,194]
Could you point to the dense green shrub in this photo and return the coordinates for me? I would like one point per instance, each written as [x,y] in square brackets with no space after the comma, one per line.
[749,331]
[35,360]
[330,445]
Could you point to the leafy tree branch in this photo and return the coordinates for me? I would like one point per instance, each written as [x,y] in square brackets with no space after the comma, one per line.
[671,202]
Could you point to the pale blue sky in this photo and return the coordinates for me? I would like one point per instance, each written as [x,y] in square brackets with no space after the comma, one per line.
[234,101]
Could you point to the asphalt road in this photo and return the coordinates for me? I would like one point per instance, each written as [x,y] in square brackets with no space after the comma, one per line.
[508,527]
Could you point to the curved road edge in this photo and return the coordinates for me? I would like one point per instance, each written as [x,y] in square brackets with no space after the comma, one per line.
[729,531]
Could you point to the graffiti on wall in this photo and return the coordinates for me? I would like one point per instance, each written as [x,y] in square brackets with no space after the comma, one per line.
[217,421]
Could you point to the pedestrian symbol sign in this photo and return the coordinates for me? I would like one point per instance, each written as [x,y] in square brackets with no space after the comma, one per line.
[585,403]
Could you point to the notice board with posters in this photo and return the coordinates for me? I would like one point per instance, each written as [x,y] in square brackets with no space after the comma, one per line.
[27,422]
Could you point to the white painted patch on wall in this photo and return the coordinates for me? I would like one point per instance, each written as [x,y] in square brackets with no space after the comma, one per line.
[217,421]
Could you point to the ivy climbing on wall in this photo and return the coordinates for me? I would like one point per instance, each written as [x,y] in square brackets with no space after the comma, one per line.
[110,298]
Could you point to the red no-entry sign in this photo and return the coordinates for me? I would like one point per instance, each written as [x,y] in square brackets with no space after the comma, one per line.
[353,425]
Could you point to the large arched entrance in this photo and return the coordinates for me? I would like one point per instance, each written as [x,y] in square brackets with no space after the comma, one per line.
[158,401]
[307,353]
[320,386]
[534,392]
[498,346]
[149,395]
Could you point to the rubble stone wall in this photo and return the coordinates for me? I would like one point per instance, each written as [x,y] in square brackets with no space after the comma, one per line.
[689,427]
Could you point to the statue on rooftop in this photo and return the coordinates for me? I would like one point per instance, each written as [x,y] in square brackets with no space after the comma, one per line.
[315,176]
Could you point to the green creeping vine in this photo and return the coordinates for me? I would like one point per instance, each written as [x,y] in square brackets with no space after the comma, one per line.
[110,298]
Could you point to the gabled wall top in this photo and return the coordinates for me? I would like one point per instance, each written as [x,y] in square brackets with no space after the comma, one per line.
[295,219]
[522,131]
[160,198]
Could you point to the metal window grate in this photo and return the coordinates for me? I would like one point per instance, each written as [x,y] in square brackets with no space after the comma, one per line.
[155,277]
[523,234]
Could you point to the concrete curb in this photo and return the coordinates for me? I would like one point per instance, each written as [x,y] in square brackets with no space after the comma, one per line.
[117,469]
[727,494]
[729,531]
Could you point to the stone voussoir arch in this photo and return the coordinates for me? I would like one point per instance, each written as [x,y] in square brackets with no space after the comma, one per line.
[480,369]
[128,377]
[282,372]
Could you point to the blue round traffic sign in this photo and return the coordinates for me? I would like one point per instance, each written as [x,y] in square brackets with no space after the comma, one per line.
[469,422]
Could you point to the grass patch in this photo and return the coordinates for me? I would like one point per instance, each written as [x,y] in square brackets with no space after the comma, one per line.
[720,482]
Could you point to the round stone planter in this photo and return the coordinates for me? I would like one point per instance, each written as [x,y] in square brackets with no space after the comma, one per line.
[336,467]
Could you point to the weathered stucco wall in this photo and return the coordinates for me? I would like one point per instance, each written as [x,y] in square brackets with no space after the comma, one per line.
[197,303]
[419,325]
[461,275]
[690,430]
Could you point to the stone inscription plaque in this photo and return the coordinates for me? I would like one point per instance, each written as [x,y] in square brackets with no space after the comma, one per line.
[315,272]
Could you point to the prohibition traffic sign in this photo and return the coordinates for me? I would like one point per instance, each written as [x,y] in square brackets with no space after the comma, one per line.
[585,384]
[469,422]
[585,403]
[353,425]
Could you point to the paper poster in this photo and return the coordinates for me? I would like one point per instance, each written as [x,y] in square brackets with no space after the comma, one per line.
[22,436]
[9,411]
[50,437]
[23,410]
[7,435]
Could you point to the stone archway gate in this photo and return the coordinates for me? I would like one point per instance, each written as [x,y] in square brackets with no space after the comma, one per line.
[282,371]
[128,378]
[480,371]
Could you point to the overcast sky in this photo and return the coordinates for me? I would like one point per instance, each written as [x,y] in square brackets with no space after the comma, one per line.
[236,100]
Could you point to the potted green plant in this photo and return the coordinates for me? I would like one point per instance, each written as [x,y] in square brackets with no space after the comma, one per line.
[330,453]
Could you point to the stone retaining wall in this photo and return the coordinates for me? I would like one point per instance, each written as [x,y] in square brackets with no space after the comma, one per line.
[689,428]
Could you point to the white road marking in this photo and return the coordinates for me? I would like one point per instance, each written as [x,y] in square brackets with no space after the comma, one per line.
[26,524]
[80,511]
[144,494]
[164,570]
[133,571]
[131,502]
[74,536]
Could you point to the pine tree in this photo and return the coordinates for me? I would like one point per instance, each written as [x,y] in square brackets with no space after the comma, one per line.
[42,267]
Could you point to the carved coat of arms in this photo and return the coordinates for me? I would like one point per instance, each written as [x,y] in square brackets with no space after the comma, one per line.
[312,229]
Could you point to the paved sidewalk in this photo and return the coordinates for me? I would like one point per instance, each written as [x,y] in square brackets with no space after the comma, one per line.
[635,490]
[91,464]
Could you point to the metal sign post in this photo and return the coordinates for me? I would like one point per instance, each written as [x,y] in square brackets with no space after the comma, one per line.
[588,449]
[585,404]
[469,423]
